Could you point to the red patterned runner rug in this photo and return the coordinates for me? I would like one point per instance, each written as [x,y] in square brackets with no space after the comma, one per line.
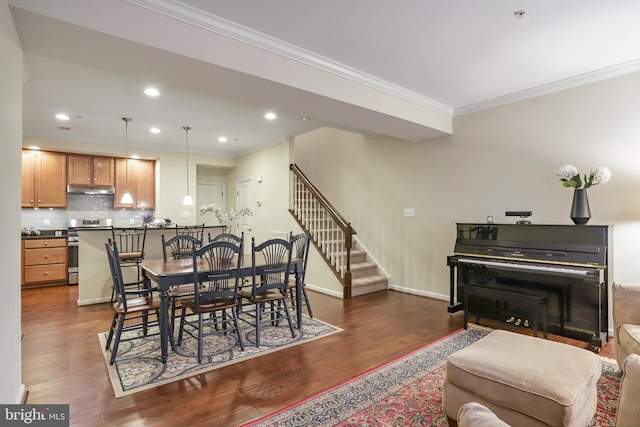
[408,392]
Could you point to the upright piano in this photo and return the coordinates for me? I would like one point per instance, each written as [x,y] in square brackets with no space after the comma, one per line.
[569,261]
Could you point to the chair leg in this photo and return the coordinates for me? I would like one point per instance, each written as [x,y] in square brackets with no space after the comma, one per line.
[238,331]
[111,330]
[306,301]
[286,310]
[200,337]
[258,311]
[116,343]
[182,316]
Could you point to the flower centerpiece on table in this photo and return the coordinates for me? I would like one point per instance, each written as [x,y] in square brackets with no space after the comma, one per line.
[225,218]
[570,176]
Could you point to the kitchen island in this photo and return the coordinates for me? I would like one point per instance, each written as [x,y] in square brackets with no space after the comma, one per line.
[94,277]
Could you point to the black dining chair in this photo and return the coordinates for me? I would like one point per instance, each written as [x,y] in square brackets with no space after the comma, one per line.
[181,247]
[269,293]
[301,243]
[215,292]
[134,303]
[196,231]
[131,247]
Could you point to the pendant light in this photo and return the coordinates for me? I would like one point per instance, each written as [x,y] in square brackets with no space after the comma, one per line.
[187,199]
[126,197]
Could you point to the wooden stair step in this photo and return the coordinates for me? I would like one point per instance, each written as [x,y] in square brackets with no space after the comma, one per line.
[369,284]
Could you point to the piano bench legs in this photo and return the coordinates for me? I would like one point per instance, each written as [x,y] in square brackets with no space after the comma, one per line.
[536,302]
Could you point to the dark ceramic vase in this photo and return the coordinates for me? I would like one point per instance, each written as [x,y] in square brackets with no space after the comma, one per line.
[580,212]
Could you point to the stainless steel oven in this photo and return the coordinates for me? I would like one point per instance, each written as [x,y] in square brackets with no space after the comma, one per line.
[72,242]
[72,253]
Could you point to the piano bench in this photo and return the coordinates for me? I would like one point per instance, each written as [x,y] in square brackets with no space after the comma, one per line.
[525,381]
[536,301]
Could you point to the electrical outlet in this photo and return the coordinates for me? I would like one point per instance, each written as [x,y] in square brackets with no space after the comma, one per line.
[132,221]
[47,222]
[185,214]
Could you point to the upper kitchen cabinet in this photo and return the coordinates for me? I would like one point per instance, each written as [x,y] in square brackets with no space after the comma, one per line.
[142,183]
[44,179]
[91,170]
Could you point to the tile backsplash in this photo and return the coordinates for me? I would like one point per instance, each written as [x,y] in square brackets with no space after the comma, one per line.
[98,206]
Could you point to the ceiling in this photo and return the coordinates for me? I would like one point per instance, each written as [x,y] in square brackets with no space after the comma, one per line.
[403,69]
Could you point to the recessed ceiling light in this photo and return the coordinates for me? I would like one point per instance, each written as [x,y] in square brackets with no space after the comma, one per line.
[270,116]
[62,116]
[222,139]
[33,147]
[151,91]
[154,130]
[135,156]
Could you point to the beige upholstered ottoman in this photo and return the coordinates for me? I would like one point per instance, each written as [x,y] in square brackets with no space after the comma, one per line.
[525,381]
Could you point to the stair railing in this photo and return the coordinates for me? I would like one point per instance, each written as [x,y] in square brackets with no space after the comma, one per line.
[331,233]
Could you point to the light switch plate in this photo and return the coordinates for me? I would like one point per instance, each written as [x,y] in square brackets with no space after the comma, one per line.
[409,212]
[185,214]
[46,223]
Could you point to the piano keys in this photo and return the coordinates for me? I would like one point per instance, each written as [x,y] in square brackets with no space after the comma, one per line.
[570,261]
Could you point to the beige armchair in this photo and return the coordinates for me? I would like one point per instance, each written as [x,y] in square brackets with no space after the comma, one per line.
[626,321]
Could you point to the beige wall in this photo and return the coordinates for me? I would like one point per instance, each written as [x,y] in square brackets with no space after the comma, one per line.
[11,73]
[496,160]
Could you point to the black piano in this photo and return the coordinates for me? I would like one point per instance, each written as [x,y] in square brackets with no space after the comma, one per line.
[569,261]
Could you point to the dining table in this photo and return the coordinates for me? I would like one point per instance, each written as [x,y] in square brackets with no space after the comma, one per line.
[175,272]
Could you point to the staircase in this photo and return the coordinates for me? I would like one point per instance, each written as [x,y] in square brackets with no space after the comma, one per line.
[332,235]
[365,278]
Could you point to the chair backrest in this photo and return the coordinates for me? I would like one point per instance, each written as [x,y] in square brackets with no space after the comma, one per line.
[301,243]
[229,237]
[216,270]
[130,240]
[277,261]
[116,272]
[196,231]
[179,247]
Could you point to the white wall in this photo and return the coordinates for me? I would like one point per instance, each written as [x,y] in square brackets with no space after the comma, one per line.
[273,165]
[11,73]
[496,160]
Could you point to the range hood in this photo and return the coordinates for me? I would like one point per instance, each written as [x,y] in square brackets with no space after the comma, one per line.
[99,189]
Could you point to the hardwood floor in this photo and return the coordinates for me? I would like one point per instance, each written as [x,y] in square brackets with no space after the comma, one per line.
[62,361]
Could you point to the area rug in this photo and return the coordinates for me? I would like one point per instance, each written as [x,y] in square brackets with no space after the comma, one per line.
[139,367]
[408,392]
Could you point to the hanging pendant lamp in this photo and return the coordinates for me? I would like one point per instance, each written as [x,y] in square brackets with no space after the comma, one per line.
[188,200]
[126,197]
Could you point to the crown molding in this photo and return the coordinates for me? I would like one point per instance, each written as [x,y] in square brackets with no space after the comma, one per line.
[196,17]
[560,85]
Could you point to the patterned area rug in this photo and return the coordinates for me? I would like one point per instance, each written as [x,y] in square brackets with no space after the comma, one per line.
[138,365]
[408,392]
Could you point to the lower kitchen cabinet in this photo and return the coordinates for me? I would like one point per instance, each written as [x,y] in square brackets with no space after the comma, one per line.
[44,262]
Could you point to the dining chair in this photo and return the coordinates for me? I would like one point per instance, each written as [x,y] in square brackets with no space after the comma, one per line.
[182,247]
[215,292]
[270,292]
[133,305]
[227,237]
[301,243]
[196,231]
[131,247]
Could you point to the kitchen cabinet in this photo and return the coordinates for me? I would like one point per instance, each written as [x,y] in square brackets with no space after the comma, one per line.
[91,170]
[142,183]
[44,179]
[44,262]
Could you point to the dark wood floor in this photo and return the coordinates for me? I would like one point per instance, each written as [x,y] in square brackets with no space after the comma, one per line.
[62,361]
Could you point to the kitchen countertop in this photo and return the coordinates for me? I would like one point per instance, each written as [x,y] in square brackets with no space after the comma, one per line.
[46,234]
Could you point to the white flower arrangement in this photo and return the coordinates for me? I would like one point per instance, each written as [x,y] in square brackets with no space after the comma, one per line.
[225,218]
[570,176]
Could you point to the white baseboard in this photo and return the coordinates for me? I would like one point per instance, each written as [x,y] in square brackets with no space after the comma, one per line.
[419,292]
[22,395]
[93,301]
